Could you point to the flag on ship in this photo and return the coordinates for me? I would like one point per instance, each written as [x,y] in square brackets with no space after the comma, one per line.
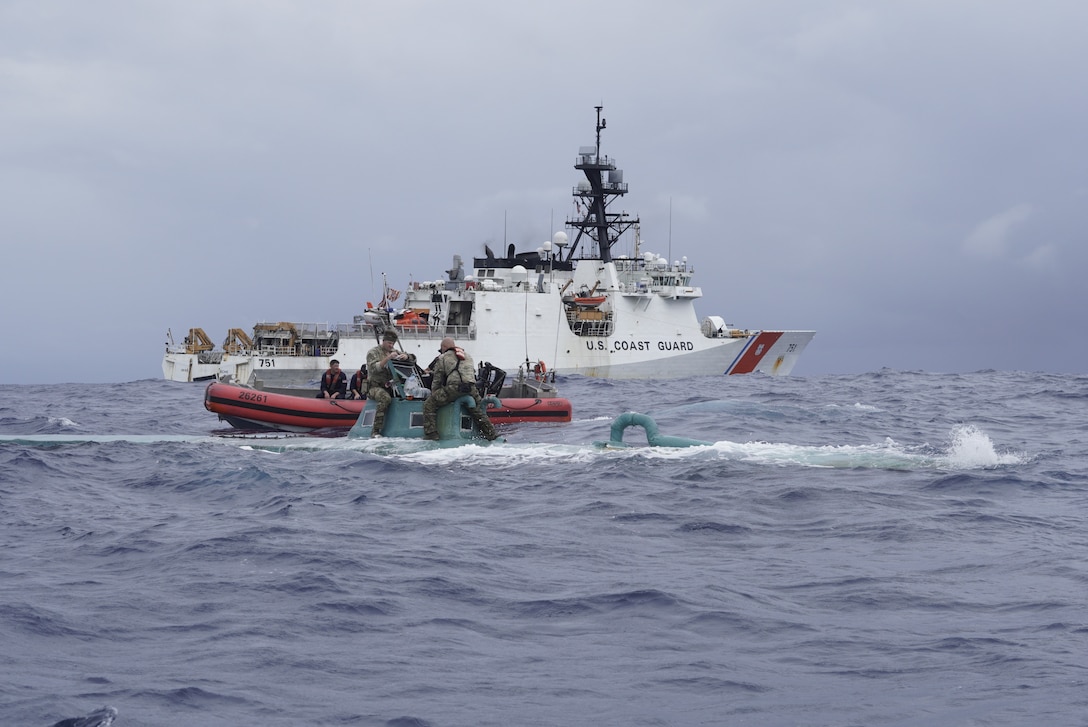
[389,295]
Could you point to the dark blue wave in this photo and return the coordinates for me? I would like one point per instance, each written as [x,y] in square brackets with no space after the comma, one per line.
[841,555]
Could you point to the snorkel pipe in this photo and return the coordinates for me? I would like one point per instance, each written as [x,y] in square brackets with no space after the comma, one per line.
[653,437]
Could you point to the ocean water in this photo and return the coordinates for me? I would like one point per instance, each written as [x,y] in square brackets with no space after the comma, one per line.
[893,548]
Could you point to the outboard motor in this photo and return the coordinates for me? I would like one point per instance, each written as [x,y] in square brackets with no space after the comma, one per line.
[489,379]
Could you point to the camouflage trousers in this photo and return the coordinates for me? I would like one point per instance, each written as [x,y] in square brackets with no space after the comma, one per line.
[381,397]
[444,395]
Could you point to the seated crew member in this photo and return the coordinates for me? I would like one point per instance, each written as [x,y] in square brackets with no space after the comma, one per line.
[454,376]
[334,382]
[358,386]
[379,377]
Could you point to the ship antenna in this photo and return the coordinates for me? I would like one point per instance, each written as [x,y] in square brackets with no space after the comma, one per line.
[370,256]
[601,123]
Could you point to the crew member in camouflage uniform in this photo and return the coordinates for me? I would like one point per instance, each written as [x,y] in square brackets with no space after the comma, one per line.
[454,376]
[379,376]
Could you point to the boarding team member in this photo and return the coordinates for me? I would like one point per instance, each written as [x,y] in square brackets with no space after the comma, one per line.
[357,388]
[334,382]
[379,376]
[454,376]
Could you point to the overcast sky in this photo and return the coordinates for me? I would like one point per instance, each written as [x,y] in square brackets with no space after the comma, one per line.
[906,177]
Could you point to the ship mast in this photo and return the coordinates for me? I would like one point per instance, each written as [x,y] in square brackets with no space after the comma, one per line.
[593,199]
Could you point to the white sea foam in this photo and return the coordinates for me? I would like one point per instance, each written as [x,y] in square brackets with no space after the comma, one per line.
[971,448]
[968,448]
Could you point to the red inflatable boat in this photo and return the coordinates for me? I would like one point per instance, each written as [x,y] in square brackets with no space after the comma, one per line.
[246,408]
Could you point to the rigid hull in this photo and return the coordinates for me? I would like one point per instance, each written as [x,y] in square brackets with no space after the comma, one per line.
[246,408]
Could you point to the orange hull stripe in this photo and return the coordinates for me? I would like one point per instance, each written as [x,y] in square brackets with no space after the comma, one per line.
[753,353]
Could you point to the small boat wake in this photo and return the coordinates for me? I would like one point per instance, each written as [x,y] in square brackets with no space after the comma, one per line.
[967,448]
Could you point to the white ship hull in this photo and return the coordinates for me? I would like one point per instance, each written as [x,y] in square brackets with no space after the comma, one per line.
[193,360]
[651,337]
[181,366]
